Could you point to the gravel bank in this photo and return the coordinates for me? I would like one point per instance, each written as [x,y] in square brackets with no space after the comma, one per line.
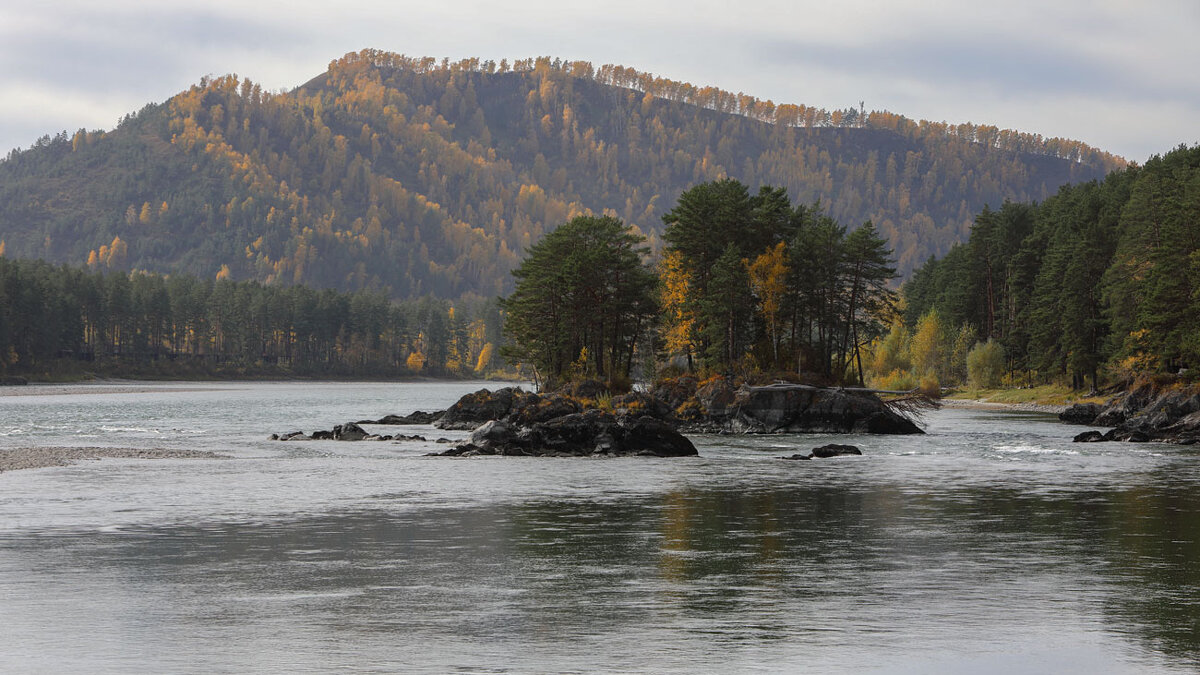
[36,458]
[989,405]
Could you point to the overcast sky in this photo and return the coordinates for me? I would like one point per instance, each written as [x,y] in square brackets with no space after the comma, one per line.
[1122,75]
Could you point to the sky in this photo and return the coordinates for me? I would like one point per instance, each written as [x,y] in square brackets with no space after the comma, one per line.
[1120,75]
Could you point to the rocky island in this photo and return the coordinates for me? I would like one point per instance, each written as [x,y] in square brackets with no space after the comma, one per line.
[583,419]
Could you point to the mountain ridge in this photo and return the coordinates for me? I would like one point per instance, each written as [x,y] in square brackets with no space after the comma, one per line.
[414,176]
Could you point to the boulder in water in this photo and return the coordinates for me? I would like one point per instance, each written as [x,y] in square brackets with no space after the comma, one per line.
[835,450]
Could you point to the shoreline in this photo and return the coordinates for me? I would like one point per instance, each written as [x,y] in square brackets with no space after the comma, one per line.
[40,458]
[131,386]
[984,404]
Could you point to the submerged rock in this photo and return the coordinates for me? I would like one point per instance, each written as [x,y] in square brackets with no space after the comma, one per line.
[1092,436]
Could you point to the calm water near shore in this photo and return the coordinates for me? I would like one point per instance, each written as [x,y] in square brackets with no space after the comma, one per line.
[993,544]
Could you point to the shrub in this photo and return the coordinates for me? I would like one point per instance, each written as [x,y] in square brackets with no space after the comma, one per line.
[985,365]
[930,386]
[897,380]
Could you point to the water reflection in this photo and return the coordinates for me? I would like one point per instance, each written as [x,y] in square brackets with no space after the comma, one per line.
[693,579]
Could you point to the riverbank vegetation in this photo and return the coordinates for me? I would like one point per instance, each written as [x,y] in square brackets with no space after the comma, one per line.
[1098,284]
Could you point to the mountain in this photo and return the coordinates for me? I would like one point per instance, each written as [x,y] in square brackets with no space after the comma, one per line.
[419,177]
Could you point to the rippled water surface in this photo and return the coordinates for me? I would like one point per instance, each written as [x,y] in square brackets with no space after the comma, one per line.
[993,544]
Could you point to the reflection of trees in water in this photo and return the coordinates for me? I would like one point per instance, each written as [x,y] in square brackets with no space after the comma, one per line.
[1153,532]
[779,556]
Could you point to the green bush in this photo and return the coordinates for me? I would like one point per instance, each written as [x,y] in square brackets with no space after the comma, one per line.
[985,365]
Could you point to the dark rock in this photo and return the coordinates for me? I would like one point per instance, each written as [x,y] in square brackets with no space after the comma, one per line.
[416,417]
[293,436]
[1127,435]
[1125,406]
[585,389]
[1080,413]
[640,404]
[835,450]
[591,432]
[798,456]
[1151,411]
[539,409]
[716,398]
[492,434]
[348,432]
[803,409]
[322,436]
[1091,436]
[484,405]
[650,435]
[676,392]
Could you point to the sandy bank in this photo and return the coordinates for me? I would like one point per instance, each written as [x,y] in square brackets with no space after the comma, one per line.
[36,458]
[111,387]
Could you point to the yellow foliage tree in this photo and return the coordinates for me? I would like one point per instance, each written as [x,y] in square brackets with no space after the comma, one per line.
[768,281]
[415,362]
[927,342]
[679,318]
[485,358]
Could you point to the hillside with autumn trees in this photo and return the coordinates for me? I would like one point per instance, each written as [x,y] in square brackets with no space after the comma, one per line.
[414,177]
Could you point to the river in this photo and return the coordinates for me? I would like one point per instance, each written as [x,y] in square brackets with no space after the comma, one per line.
[992,544]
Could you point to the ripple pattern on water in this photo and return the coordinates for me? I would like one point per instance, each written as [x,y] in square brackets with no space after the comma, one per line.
[991,544]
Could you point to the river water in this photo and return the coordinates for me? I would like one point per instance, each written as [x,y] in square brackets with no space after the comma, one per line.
[993,544]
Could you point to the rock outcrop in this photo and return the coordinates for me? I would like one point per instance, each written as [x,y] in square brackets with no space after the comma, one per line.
[416,417]
[1149,412]
[791,408]
[485,405]
[589,433]
[1081,413]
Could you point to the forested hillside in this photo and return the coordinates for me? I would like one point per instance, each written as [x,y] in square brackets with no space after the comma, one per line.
[1103,276]
[415,177]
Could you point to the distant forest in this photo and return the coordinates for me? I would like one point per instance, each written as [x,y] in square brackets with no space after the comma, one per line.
[67,321]
[414,177]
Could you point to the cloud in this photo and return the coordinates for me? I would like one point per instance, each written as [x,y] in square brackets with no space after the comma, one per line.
[70,62]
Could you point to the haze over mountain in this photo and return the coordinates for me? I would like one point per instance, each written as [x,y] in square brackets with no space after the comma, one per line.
[418,177]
